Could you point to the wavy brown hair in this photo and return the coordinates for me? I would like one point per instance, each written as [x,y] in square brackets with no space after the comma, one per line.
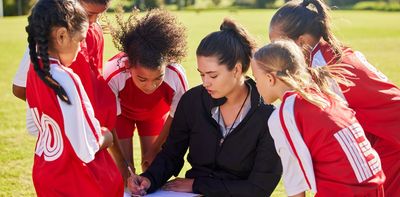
[151,40]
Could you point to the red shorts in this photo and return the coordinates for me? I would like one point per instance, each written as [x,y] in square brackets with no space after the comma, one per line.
[125,126]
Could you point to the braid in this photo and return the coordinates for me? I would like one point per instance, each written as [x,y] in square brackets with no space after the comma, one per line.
[45,15]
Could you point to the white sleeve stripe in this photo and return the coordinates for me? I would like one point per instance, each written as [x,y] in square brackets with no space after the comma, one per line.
[87,117]
[180,75]
[357,150]
[305,161]
[113,74]
[351,156]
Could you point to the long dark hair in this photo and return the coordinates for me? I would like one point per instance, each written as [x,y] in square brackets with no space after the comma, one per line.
[232,44]
[45,15]
[296,18]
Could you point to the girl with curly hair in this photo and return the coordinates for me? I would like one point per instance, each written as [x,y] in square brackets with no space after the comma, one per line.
[146,79]
[221,124]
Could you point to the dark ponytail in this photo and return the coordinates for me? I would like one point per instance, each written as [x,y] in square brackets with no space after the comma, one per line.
[232,44]
[296,18]
[45,15]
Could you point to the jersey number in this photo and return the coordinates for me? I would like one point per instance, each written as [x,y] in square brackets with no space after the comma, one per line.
[50,142]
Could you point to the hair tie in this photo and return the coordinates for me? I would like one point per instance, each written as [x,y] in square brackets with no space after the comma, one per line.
[281,73]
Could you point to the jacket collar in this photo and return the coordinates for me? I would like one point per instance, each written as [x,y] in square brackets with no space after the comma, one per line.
[209,102]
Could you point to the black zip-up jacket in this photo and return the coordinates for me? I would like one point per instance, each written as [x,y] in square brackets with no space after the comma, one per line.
[245,164]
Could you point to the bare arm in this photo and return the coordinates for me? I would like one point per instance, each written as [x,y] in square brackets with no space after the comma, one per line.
[151,154]
[19,92]
[164,134]
[116,154]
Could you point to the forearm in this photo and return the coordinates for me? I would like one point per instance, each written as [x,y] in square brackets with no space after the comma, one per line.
[162,169]
[163,134]
[19,92]
[116,154]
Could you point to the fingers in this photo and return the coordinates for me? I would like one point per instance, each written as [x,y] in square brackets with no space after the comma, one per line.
[135,185]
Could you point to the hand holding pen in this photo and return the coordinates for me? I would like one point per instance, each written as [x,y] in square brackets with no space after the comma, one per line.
[138,184]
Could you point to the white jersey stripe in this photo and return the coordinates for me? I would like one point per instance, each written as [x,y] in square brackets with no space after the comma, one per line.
[79,116]
[298,173]
[362,168]
[360,158]
[350,156]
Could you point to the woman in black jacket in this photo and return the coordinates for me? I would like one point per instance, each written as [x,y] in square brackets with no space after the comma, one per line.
[223,123]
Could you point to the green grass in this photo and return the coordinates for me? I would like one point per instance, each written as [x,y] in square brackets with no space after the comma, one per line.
[376,34]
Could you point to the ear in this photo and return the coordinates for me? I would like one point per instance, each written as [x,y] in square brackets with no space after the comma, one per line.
[271,79]
[60,36]
[238,69]
[305,40]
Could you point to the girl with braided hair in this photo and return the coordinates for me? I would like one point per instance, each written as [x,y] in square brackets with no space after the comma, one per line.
[70,155]
[318,138]
[146,79]
[372,96]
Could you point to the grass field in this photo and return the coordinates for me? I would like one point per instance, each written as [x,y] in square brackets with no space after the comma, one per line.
[376,34]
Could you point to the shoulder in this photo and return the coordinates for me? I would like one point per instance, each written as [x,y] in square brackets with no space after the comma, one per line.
[115,66]
[175,76]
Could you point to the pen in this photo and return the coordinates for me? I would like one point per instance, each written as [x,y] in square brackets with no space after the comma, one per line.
[130,170]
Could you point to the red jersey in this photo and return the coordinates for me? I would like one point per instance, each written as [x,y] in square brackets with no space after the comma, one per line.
[134,103]
[87,65]
[67,160]
[375,100]
[95,46]
[324,150]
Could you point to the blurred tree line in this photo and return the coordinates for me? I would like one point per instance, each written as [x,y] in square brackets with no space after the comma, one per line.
[22,7]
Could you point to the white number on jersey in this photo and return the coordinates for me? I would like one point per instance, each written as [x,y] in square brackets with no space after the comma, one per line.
[50,140]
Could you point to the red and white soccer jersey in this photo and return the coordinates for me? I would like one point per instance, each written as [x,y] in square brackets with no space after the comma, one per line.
[99,93]
[134,104]
[376,102]
[87,65]
[324,150]
[67,160]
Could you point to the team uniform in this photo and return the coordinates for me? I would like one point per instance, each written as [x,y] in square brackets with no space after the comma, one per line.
[95,46]
[87,66]
[67,159]
[147,112]
[324,150]
[376,102]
